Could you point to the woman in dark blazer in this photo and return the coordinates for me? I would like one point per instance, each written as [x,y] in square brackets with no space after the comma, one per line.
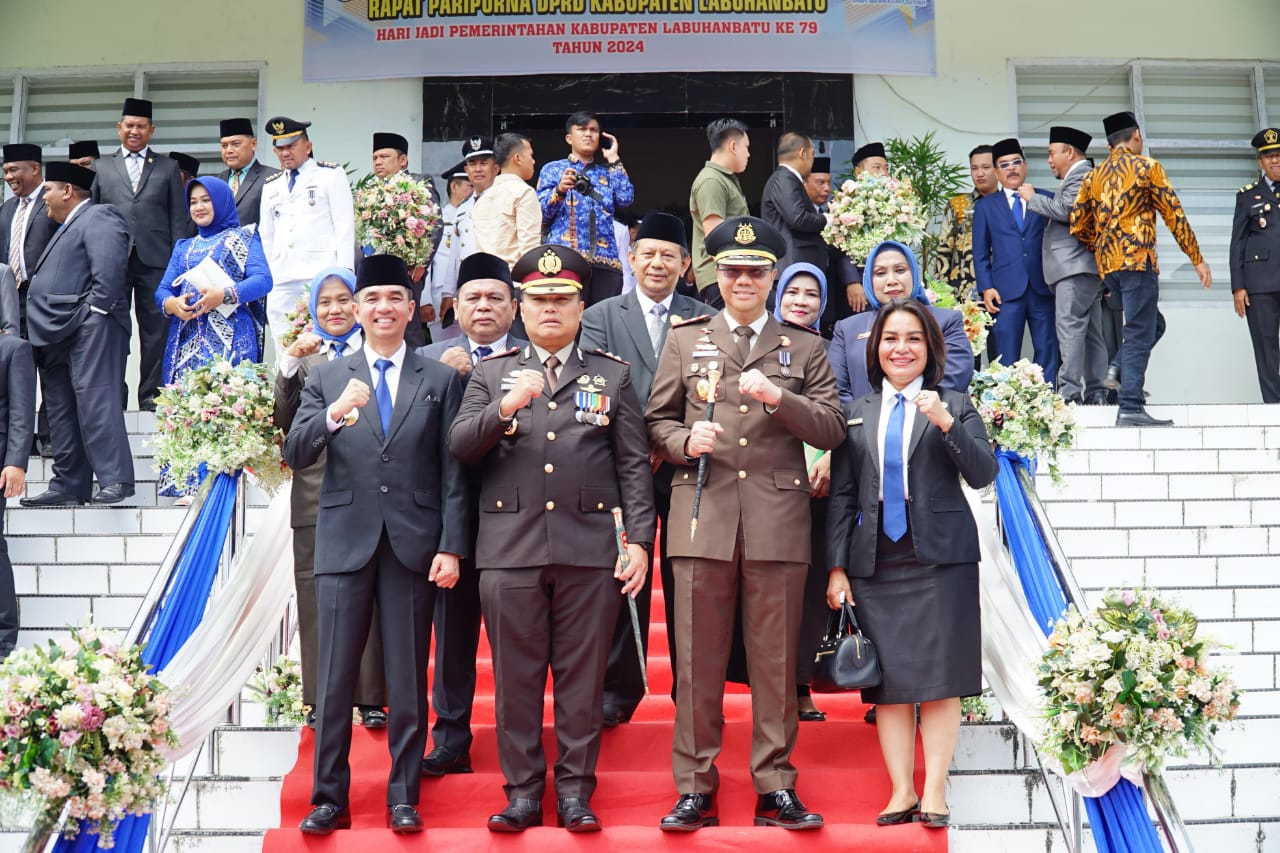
[903,545]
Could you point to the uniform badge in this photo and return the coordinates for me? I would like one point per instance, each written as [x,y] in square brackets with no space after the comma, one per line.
[784,360]
[583,380]
[1270,136]
[745,235]
[854,422]
[509,381]
[592,408]
[783,340]
[277,127]
[676,319]
[863,336]
[550,263]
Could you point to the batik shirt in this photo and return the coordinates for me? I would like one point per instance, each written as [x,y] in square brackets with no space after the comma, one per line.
[1115,213]
[953,262]
[578,221]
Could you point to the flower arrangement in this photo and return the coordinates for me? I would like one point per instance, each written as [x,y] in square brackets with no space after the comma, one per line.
[396,217]
[297,320]
[1023,414]
[81,728]
[279,689]
[977,322]
[1135,673]
[870,209]
[220,417]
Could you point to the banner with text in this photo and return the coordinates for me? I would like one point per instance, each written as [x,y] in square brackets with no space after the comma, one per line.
[372,39]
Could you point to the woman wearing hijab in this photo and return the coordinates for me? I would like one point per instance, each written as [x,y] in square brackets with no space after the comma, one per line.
[213,292]
[891,272]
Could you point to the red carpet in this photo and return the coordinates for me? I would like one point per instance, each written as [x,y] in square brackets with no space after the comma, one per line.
[841,776]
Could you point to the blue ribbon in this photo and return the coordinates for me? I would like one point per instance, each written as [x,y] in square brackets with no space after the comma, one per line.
[175,619]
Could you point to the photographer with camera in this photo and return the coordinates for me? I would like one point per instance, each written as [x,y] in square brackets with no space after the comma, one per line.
[579,197]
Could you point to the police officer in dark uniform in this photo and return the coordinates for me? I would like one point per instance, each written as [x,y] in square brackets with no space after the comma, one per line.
[559,438]
[1255,261]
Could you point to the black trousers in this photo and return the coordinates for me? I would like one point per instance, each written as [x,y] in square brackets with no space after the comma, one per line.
[8,594]
[152,327]
[457,627]
[344,604]
[1263,317]
[80,379]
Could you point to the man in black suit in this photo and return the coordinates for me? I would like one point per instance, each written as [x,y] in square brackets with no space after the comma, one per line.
[634,327]
[78,321]
[245,172]
[393,522]
[25,226]
[785,204]
[486,306]
[147,190]
[17,407]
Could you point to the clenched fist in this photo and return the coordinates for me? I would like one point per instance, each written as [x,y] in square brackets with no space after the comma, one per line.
[307,344]
[528,384]
[755,384]
[354,396]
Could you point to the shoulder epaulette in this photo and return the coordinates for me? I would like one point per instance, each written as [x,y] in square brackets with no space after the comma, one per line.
[506,352]
[328,164]
[274,176]
[700,318]
[610,355]
[792,325]
[1247,187]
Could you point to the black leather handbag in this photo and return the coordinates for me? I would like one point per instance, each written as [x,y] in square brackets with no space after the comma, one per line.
[846,660]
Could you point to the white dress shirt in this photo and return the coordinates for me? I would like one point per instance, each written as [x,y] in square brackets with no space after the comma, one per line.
[289,364]
[757,326]
[500,345]
[888,399]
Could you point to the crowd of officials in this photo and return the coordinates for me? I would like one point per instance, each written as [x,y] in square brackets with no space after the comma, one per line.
[465,432]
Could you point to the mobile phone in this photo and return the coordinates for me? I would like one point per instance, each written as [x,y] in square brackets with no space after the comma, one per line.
[607,143]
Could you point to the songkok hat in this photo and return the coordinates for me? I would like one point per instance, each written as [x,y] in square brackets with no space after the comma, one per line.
[551,269]
[871,149]
[83,148]
[380,270]
[483,266]
[20,151]
[186,162]
[390,140]
[1117,122]
[821,165]
[1070,136]
[69,173]
[1267,139]
[235,127]
[746,241]
[140,107]
[477,146]
[285,131]
[657,225]
[1004,148]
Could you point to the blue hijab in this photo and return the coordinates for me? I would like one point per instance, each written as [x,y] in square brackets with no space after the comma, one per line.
[224,205]
[791,272]
[349,279]
[917,290]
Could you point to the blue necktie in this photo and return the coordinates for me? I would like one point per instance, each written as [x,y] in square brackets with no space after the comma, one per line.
[383,394]
[483,352]
[293,176]
[895,502]
[1017,211]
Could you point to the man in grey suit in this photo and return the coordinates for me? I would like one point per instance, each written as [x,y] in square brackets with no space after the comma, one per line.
[486,307]
[634,327]
[1071,272]
[785,204]
[147,190]
[392,526]
[17,411]
[78,321]
[245,172]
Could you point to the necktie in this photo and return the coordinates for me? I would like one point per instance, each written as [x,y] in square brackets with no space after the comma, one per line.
[16,238]
[1017,211]
[552,364]
[134,164]
[482,352]
[657,327]
[293,176]
[338,348]
[383,394]
[744,334]
[235,181]
[895,501]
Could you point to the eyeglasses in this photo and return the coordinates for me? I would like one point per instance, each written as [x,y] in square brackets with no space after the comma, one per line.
[756,274]
[1010,165]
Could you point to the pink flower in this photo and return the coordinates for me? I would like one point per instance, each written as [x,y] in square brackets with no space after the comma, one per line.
[1128,597]
[69,738]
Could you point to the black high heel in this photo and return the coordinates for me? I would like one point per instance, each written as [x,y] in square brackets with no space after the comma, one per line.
[896,818]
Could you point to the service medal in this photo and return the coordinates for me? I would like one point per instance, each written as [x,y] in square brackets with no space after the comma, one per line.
[703,389]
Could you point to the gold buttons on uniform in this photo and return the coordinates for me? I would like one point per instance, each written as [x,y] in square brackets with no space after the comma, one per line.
[742,475]
[551,505]
[599,506]
[797,482]
[548,467]
[551,404]
[551,436]
[742,442]
[743,408]
[499,504]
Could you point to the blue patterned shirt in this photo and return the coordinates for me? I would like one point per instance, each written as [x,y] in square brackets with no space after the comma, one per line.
[581,222]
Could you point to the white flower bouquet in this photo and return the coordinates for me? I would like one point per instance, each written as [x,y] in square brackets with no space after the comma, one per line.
[297,320]
[871,209]
[396,217]
[278,688]
[1023,413]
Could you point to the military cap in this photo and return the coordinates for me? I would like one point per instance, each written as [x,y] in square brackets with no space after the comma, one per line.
[1117,122]
[235,127]
[482,266]
[746,241]
[1070,136]
[285,131]
[83,148]
[657,225]
[69,173]
[456,171]
[821,165]
[390,140]
[1005,148]
[1267,139]
[871,149]
[380,270]
[140,107]
[477,146]
[186,162]
[551,269]
[20,151]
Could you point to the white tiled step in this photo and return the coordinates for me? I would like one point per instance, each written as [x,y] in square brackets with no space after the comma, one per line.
[1170,541]
[1068,515]
[1231,836]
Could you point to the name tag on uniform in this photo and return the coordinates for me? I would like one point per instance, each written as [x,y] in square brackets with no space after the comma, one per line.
[864,335]
[854,422]
[509,381]
[706,352]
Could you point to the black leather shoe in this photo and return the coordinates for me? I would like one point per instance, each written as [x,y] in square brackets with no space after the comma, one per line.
[1140,418]
[692,811]
[870,716]
[372,717]
[1098,398]
[896,818]
[440,761]
[52,498]
[324,819]
[783,808]
[615,716]
[403,819]
[113,494]
[519,815]
[935,820]
[575,815]
[1112,379]
[311,718]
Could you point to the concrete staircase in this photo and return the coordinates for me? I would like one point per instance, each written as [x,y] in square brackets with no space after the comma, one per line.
[1193,510]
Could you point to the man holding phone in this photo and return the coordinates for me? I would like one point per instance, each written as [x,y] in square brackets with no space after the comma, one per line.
[579,197]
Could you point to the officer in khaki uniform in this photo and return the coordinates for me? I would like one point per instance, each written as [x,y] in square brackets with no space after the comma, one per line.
[776,393]
[558,435]
[1255,261]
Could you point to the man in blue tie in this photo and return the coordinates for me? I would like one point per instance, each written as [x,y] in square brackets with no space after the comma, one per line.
[1007,263]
